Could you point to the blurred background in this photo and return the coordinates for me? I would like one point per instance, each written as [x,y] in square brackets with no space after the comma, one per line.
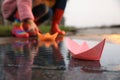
[89,13]
[86,17]
[92,13]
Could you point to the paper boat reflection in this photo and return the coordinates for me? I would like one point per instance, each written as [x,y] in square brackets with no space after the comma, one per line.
[47,37]
[86,66]
[48,43]
[84,51]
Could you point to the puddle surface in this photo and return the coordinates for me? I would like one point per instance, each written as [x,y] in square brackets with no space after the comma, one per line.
[30,60]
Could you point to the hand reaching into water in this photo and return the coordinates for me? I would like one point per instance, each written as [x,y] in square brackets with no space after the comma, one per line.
[31,27]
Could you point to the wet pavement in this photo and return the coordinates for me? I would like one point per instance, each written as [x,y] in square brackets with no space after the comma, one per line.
[37,60]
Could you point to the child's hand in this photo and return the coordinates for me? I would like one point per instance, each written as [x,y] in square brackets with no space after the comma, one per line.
[32,27]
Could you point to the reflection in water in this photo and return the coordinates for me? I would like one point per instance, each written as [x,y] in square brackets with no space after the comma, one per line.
[18,60]
[49,56]
[86,66]
[26,60]
[84,70]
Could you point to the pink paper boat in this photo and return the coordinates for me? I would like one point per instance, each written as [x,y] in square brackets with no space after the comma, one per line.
[83,51]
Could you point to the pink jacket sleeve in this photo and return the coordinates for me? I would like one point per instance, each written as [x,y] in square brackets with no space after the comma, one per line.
[25,9]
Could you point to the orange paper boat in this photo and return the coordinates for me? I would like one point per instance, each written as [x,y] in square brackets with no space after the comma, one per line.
[83,51]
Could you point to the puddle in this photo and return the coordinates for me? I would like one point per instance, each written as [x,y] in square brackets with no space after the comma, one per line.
[30,60]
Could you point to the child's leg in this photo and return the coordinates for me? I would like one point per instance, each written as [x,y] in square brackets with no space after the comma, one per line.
[18,30]
[58,14]
[47,16]
[39,11]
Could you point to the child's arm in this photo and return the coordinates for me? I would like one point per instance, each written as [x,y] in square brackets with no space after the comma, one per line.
[25,9]
[26,15]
